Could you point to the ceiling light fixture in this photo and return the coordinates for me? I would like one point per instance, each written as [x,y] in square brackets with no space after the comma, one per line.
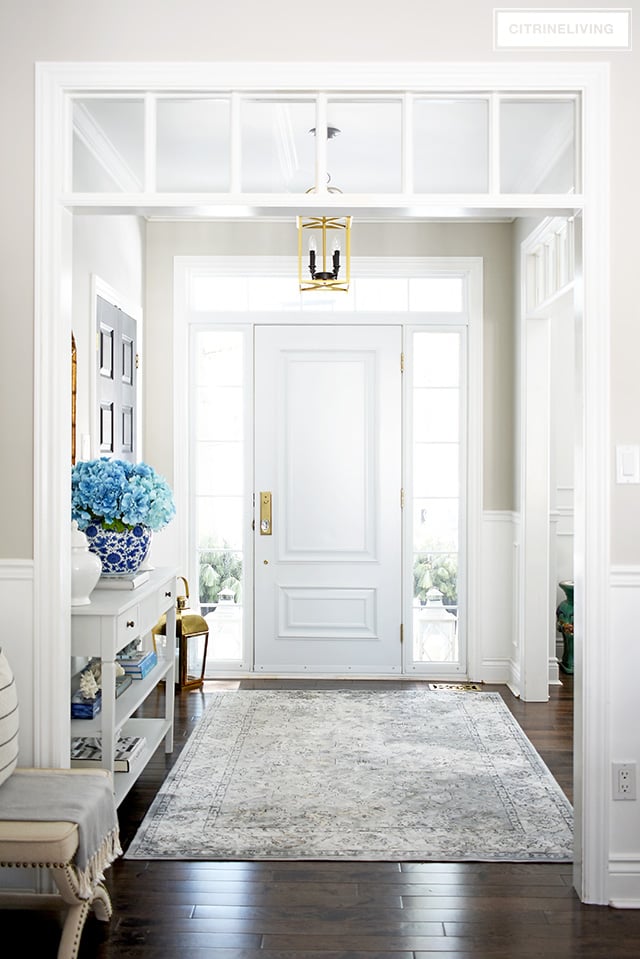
[327,253]
[327,249]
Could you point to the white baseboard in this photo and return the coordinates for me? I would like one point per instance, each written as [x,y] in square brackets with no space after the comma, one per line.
[493,671]
[513,681]
[624,882]
[623,888]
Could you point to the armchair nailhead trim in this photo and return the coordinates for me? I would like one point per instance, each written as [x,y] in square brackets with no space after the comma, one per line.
[32,865]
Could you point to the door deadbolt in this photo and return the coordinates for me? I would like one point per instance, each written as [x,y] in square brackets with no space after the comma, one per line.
[265,514]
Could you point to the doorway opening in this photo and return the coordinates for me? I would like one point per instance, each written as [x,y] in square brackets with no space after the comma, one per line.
[397,572]
[55,82]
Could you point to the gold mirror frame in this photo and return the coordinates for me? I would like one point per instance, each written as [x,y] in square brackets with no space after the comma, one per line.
[74,395]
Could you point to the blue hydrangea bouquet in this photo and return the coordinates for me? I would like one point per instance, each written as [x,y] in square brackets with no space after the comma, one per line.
[119,495]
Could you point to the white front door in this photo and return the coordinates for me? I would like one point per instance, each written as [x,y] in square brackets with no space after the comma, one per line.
[328,450]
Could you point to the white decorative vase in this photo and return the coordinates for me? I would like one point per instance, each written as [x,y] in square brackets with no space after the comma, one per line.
[85,568]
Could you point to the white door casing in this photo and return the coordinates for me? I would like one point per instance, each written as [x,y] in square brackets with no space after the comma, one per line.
[52,373]
[328,449]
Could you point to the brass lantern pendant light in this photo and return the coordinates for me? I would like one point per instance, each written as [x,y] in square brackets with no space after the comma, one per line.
[324,243]
[328,249]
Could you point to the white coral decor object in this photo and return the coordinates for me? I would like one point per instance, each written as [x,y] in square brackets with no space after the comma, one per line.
[88,685]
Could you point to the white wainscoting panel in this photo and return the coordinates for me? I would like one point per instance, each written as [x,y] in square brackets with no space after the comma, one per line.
[16,639]
[624,818]
[493,652]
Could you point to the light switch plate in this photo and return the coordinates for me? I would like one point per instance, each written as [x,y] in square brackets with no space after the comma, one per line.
[627,464]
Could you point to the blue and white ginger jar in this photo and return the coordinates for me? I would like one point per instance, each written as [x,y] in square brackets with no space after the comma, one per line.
[121,554]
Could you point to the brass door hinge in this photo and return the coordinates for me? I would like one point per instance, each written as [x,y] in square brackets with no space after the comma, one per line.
[401,633]
[402,362]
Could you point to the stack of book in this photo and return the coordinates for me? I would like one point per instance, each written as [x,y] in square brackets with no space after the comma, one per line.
[82,708]
[126,581]
[139,663]
[122,683]
[86,751]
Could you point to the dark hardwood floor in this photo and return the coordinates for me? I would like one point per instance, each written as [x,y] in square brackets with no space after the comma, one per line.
[315,910]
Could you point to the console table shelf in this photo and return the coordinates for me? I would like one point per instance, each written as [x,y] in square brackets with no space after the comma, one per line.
[114,619]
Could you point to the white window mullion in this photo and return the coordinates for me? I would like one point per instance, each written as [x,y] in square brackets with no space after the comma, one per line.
[407,144]
[67,146]
[578,151]
[192,442]
[321,143]
[235,153]
[494,144]
[150,143]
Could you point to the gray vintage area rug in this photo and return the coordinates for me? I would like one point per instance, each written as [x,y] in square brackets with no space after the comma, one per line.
[412,774]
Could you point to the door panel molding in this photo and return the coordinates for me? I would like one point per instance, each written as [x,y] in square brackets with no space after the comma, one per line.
[329,532]
[347,613]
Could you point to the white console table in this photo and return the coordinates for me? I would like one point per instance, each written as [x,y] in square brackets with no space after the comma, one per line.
[113,619]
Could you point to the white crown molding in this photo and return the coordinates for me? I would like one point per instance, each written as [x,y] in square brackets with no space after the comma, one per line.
[326,76]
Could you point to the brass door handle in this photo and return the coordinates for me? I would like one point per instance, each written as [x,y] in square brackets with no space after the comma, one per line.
[265,514]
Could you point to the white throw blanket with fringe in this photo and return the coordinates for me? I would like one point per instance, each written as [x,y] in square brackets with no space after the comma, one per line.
[43,795]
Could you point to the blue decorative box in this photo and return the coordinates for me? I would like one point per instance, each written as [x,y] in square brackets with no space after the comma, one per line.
[82,708]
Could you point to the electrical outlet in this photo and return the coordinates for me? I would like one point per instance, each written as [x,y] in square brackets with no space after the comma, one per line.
[624,780]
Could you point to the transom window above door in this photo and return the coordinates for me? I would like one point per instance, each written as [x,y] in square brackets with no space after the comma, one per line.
[371,294]
[236,144]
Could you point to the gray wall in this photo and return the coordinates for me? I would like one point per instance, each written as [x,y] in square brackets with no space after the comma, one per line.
[418,30]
